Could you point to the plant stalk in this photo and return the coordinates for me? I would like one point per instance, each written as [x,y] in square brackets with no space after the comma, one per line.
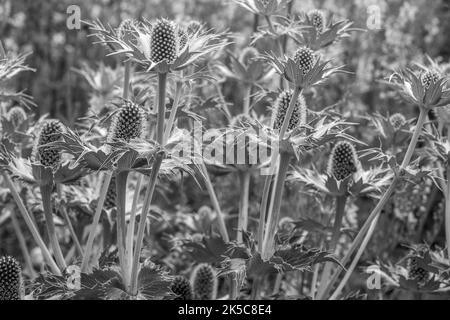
[72,231]
[244,178]
[121,191]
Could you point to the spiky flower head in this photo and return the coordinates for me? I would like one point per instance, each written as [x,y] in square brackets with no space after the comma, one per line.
[182,288]
[305,59]
[281,107]
[429,78]
[247,55]
[163,41]
[317,18]
[127,123]
[110,200]
[415,272]
[50,132]
[397,120]
[204,282]
[11,284]
[125,30]
[343,161]
[16,115]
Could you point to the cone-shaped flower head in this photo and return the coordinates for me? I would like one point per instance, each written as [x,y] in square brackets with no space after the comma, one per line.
[247,55]
[204,282]
[343,161]
[17,115]
[281,107]
[163,41]
[110,200]
[50,132]
[398,121]
[429,78]
[317,18]
[305,59]
[416,272]
[11,284]
[127,123]
[182,288]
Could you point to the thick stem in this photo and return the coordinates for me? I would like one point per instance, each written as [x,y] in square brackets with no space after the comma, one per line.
[46,193]
[126,79]
[256,288]
[31,226]
[72,231]
[234,287]
[367,230]
[212,194]
[98,212]
[162,83]
[263,212]
[289,112]
[143,222]
[173,112]
[274,214]
[121,191]
[247,99]
[447,211]
[23,244]
[244,178]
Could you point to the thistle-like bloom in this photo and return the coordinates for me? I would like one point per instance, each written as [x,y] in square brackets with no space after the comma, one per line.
[182,288]
[11,284]
[415,272]
[430,77]
[204,282]
[50,132]
[281,106]
[127,124]
[343,161]
[317,19]
[304,58]
[397,121]
[16,115]
[164,41]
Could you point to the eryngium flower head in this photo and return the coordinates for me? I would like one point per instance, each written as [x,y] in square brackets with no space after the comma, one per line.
[16,115]
[343,161]
[247,55]
[281,106]
[204,282]
[163,41]
[429,78]
[11,285]
[317,18]
[182,288]
[127,123]
[110,200]
[415,272]
[305,59]
[397,121]
[125,30]
[50,132]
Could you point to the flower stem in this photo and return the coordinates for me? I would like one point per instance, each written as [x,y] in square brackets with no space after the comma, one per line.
[263,211]
[247,99]
[72,231]
[367,229]
[98,212]
[46,193]
[162,83]
[31,226]
[121,191]
[173,112]
[447,211]
[126,79]
[244,178]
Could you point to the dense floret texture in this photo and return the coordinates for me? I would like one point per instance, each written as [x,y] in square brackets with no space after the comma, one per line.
[281,107]
[182,288]
[11,287]
[50,132]
[127,123]
[204,282]
[163,41]
[343,161]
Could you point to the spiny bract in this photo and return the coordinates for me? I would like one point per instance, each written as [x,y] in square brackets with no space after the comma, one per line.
[50,132]
[193,27]
[397,120]
[127,123]
[317,18]
[16,115]
[343,160]
[11,285]
[125,30]
[304,58]
[281,106]
[204,282]
[430,77]
[163,41]
[182,39]
[182,288]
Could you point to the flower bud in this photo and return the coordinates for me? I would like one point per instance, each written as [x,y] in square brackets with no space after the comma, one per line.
[317,18]
[163,43]
[429,78]
[50,132]
[11,283]
[16,115]
[343,161]
[281,106]
[127,123]
[182,288]
[398,121]
[304,58]
[204,282]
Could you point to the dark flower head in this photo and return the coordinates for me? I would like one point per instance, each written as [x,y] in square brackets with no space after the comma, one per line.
[415,272]
[429,78]
[182,288]
[281,107]
[204,282]
[11,284]
[127,123]
[163,41]
[343,161]
[317,18]
[397,120]
[50,132]
[305,59]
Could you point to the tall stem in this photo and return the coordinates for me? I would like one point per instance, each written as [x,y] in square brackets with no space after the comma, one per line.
[46,193]
[121,188]
[97,214]
[244,178]
[31,226]
[72,231]
[247,99]
[367,230]
[263,211]
[126,81]
[173,112]
[447,211]
[162,83]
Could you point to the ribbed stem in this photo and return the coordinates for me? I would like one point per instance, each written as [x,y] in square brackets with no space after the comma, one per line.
[121,191]
[46,193]
[162,83]
[367,230]
[72,231]
[173,111]
[31,226]
[247,99]
[280,48]
[98,212]
[126,79]
[263,211]
[447,211]
[244,178]
[274,214]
